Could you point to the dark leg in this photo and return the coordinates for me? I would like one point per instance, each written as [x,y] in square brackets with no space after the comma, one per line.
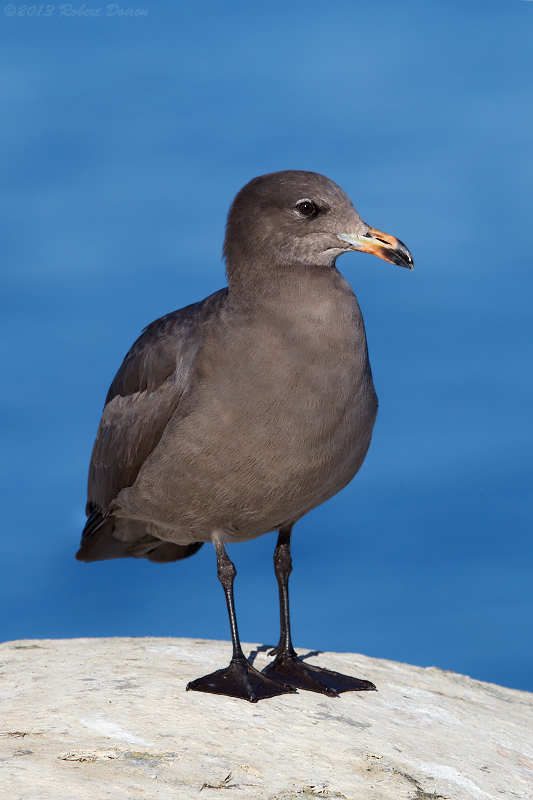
[240,679]
[287,667]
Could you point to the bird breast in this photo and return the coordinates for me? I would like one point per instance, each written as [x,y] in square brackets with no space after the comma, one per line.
[278,419]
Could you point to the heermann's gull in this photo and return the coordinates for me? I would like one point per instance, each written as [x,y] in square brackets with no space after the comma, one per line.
[237,415]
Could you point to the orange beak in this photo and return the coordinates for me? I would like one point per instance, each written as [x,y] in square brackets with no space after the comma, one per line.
[380,244]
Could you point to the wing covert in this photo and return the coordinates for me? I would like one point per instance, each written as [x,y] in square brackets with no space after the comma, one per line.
[143,396]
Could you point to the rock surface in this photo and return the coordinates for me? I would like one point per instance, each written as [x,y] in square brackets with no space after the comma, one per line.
[110,718]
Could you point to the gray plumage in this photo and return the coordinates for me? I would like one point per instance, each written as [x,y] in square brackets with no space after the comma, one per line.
[235,416]
[244,411]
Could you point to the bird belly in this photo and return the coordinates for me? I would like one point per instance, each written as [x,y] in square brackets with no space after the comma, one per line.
[250,466]
[249,456]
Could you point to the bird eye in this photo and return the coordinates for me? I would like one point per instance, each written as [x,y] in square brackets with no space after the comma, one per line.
[307,208]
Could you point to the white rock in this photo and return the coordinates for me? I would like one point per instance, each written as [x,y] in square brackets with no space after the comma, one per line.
[110,718]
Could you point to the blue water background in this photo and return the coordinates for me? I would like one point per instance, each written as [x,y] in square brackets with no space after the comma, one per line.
[122,143]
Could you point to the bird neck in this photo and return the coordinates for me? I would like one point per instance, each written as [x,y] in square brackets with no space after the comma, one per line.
[275,282]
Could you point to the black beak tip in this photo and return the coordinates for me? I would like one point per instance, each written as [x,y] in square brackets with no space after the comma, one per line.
[403,257]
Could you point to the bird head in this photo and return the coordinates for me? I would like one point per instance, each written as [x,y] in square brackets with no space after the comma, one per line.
[300,218]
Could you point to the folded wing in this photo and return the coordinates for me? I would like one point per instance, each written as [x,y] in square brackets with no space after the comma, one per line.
[146,392]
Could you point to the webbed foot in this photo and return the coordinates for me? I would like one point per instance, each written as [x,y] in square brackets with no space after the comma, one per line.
[289,669]
[241,680]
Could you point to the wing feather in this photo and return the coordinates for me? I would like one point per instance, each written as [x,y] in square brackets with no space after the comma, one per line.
[144,395]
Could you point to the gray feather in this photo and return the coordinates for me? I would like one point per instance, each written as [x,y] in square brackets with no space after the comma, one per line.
[145,393]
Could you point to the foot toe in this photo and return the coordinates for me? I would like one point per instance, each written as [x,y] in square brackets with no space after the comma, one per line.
[292,671]
[240,680]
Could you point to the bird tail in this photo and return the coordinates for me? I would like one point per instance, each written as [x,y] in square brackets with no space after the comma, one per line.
[99,544]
